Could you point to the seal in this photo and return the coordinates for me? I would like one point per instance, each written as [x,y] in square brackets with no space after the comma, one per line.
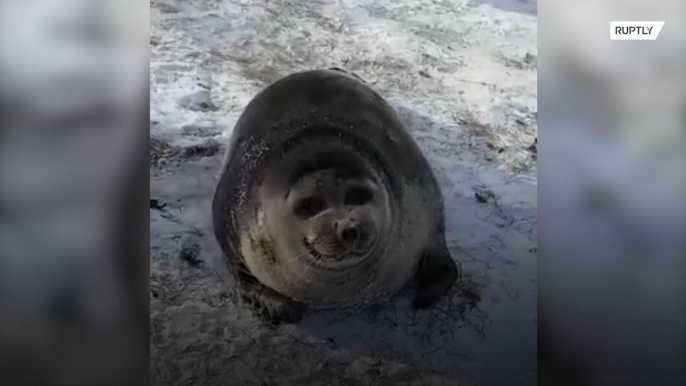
[325,201]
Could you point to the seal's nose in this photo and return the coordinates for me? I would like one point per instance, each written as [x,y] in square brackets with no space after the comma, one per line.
[348,232]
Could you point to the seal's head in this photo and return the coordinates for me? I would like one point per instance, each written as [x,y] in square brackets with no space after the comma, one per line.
[328,215]
[337,214]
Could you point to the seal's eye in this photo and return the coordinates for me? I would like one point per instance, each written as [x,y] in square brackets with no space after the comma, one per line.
[357,196]
[310,206]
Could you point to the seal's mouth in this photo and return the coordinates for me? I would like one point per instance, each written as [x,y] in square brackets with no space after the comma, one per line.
[335,258]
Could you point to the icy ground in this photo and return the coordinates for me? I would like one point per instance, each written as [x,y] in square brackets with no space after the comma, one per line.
[462,75]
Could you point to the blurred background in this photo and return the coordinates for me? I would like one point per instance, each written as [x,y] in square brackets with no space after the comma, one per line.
[73,172]
[611,195]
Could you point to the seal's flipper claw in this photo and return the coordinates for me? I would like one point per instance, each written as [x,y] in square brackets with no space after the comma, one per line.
[268,304]
[436,274]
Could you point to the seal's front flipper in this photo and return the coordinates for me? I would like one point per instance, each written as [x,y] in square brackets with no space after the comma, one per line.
[269,304]
[435,275]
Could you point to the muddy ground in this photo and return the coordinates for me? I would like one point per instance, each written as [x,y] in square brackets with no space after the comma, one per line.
[462,76]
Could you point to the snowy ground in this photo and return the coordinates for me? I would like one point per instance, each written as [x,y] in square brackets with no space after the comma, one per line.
[462,75]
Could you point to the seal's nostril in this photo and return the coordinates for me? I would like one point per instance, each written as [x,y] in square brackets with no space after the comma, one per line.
[349,235]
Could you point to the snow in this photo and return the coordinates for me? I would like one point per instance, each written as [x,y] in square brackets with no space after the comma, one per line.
[462,76]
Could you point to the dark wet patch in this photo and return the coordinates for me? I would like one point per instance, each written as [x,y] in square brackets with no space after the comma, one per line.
[483,194]
[156,204]
[200,130]
[200,151]
[162,153]
[164,7]
[527,62]
[534,147]
[190,253]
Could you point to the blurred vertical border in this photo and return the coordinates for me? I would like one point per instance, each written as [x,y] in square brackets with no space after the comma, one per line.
[612,195]
[74,179]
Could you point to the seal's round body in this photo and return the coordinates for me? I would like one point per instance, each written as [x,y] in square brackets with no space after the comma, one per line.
[325,200]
